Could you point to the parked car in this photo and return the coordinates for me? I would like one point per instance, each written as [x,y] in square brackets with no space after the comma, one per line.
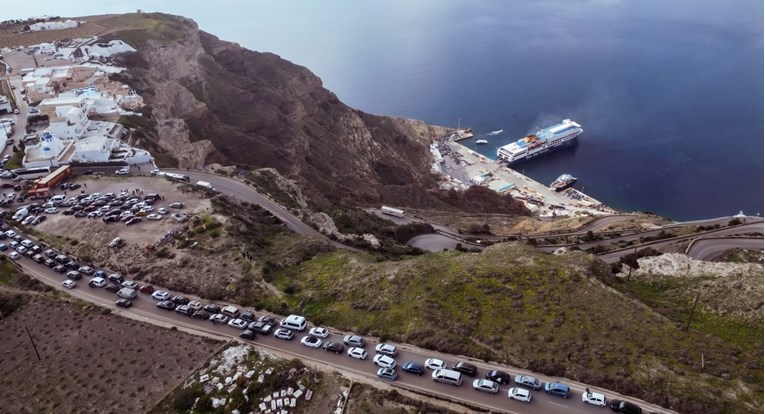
[358,353]
[201,315]
[434,363]
[180,299]
[248,335]
[311,341]
[122,171]
[593,398]
[218,318]
[134,220]
[625,407]
[558,389]
[184,310]
[485,385]
[68,284]
[212,308]
[384,361]
[386,349]
[500,377]
[284,333]
[113,288]
[413,368]
[130,284]
[519,394]
[161,295]
[72,274]
[237,323]
[319,331]
[85,270]
[387,373]
[528,381]
[166,305]
[354,341]
[176,205]
[124,303]
[147,289]
[335,347]
[465,368]
[247,315]
[97,282]
[260,327]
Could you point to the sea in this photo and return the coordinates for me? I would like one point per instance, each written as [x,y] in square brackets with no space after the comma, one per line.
[669,94]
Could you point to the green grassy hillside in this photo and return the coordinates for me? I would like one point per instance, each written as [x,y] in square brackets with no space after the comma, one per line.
[560,315]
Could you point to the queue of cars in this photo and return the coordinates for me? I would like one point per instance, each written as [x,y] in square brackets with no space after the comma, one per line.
[251,325]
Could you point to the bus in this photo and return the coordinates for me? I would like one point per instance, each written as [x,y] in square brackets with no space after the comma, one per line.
[392,211]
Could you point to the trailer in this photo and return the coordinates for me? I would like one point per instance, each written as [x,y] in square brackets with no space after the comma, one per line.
[392,211]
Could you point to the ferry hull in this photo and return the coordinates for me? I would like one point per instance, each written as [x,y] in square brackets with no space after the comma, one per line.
[567,144]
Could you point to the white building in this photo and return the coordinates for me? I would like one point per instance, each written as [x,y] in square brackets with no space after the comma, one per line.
[70,122]
[47,153]
[94,149]
[68,24]
[5,104]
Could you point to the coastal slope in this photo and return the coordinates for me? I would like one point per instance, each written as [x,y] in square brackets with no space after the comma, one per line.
[215,102]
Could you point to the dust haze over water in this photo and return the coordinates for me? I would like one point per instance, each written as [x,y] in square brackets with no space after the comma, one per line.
[669,93]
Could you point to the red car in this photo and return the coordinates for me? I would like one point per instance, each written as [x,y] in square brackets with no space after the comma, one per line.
[147,289]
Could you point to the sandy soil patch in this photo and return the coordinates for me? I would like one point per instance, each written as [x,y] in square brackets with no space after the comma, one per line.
[91,362]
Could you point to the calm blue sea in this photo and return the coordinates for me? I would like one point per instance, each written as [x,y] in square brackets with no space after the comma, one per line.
[670,94]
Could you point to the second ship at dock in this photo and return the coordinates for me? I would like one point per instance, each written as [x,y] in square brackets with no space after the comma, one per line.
[550,138]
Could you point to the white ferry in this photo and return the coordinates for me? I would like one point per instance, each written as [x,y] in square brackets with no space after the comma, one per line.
[544,140]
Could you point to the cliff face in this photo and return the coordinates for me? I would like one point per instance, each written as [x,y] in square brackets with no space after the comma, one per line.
[214,101]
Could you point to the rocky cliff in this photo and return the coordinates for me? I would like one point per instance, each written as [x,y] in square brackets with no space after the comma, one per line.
[214,101]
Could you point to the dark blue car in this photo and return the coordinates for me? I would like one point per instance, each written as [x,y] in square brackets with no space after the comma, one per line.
[100,273]
[413,368]
[556,388]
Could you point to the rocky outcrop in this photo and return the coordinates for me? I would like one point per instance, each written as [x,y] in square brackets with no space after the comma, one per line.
[216,102]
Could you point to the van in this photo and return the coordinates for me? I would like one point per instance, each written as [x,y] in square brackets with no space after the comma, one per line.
[295,322]
[127,293]
[59,198]
[116,278]
[447,376]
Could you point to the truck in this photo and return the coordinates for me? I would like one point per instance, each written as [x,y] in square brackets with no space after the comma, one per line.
[206,185]
[392,211]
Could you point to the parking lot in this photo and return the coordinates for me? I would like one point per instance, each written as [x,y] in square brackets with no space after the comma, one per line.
[93,230]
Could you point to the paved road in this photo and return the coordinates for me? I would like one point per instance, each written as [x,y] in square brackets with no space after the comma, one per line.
[756,227]
[708,248]
[145,309]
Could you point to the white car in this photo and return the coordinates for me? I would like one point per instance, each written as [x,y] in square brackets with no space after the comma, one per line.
[358,353]
[86,270]
[161,295]
[10,233]
[130,284]
[154,172]
[122,171]
[238,323]
[486,386]
[433,363]
[162,210]
[594,398]
[181,218]
[68,284]
[154,217]
[311,341]
[51,210]
[27,220]
[384,361]
[386,349]
[14,256]
[319,331]
[21,249]
[97,282]
[520,394]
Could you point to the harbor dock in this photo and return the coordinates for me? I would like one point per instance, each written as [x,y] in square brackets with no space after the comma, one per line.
[462,167]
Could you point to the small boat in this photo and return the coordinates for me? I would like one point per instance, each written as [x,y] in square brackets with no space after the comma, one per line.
[563,182]
[481,142]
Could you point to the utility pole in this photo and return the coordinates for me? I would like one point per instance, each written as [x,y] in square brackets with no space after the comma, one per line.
[695,302]
[33,344]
